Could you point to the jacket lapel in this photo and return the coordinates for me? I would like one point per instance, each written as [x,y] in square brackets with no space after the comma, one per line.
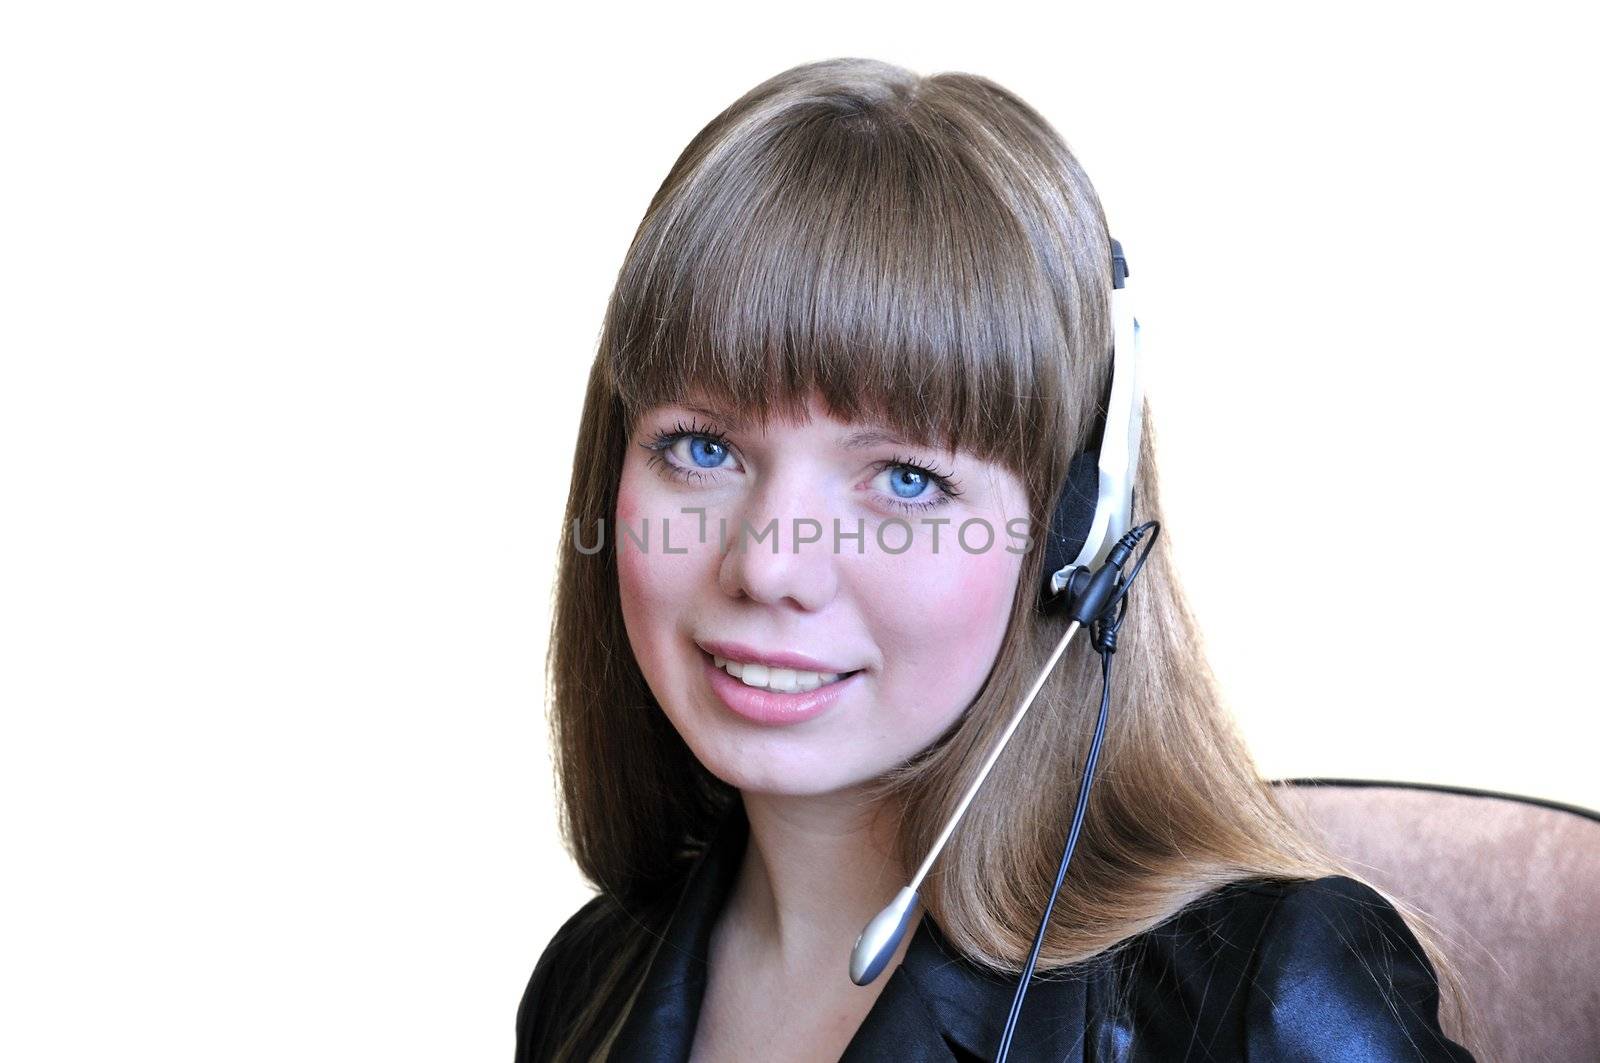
[661,1023]
[968,1004]
[935,999]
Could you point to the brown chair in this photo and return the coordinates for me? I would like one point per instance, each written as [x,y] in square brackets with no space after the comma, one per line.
[1513,883]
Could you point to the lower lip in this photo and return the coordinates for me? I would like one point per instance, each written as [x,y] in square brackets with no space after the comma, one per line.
[771,707]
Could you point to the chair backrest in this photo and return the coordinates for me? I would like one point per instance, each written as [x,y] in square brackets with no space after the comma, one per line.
[1513,882]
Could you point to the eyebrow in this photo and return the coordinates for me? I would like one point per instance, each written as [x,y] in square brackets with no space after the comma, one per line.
[860,439]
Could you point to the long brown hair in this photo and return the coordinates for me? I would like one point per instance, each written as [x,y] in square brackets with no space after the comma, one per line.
[927,252]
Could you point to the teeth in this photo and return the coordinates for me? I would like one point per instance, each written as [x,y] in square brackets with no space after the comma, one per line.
[782,680]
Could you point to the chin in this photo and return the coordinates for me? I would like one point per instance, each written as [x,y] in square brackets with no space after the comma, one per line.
[806,777]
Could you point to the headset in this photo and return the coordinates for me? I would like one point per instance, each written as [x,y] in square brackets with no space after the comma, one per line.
[1088,542]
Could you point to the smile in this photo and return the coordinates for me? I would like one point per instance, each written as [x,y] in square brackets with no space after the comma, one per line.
[779,680]
[750,692]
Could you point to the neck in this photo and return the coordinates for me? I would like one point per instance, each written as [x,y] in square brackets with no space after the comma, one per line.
[816,869]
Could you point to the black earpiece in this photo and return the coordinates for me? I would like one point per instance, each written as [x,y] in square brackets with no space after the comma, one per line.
[1095,503]
[1070,522]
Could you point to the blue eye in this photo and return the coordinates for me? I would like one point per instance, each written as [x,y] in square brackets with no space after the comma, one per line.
[912,480]
[705,452]
[909,481]
[709,450]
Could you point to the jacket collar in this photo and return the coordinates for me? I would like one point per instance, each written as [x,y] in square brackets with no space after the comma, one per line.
[933,1000]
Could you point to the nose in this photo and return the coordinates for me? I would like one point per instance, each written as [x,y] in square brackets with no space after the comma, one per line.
[780,547]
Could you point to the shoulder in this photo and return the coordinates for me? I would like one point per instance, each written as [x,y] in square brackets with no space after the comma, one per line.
[1314,969]
[586,977]
[566,975]
[1339,974]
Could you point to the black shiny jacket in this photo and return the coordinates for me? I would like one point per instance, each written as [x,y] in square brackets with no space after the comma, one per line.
[1258,970]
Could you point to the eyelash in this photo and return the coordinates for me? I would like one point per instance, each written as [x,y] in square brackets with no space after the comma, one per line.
[663,441]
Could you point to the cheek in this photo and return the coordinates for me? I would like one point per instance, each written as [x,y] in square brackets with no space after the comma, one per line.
[969,625]
[941,619]
[642,580]
[979,590]
[642,585]
[656,585]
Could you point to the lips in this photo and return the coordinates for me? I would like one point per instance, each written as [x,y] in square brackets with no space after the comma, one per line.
[747,654]
[773,708]
[779,680]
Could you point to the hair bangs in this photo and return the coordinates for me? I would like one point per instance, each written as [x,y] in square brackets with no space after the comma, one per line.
[867,266]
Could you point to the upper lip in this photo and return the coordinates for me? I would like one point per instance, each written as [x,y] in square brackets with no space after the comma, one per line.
[738,651]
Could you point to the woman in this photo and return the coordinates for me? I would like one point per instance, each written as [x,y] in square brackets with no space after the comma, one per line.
[863,295]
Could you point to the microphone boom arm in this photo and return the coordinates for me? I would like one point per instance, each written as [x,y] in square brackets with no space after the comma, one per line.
[881,937]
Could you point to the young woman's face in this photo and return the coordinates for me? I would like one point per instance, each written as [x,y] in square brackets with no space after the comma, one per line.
[915,605]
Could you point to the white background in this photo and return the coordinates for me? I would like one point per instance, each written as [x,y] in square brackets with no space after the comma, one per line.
[297,301]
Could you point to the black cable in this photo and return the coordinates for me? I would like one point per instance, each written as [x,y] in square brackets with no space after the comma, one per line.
[1061,874]
[1104,635]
